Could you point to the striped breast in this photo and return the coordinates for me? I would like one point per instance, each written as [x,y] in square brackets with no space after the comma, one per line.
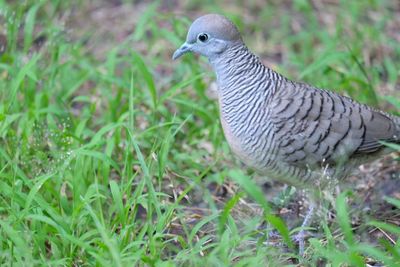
[245,86]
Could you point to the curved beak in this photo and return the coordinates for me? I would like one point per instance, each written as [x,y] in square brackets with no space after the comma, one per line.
[181,50]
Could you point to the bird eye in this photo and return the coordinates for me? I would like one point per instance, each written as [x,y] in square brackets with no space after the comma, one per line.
[202,37]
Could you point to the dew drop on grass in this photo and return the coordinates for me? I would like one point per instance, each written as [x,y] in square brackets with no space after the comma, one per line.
[48,150]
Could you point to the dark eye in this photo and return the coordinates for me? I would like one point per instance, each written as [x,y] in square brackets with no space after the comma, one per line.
[202,37]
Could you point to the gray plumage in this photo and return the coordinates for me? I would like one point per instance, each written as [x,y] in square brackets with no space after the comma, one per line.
[290,131]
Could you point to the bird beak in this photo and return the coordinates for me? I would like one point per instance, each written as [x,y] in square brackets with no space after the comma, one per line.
[181,50]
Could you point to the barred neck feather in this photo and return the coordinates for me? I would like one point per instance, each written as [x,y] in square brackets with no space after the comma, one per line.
[245,85]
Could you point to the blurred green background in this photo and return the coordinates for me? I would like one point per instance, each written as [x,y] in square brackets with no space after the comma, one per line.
[112,154]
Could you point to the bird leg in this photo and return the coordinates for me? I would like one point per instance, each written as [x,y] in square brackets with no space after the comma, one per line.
[307,220]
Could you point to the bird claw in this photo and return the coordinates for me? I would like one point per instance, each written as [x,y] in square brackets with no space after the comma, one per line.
[299,239]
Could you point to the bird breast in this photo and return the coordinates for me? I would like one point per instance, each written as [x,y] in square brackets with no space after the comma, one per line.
[235,143]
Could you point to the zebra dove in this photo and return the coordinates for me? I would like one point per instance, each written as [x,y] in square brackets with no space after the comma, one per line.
[289,131]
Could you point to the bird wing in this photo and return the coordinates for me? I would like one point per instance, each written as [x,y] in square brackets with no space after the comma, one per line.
[313,126]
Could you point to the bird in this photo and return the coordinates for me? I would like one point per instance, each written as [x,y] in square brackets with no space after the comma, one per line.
[289,131]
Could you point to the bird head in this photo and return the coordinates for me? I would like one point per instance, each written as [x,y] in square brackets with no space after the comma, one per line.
[209,36]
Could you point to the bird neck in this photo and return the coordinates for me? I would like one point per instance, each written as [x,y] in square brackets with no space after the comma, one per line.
[237,68]
[245,85]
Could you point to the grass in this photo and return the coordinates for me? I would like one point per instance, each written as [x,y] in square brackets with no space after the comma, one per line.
[112,154]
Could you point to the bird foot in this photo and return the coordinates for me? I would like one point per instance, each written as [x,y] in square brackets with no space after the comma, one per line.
[300,237]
